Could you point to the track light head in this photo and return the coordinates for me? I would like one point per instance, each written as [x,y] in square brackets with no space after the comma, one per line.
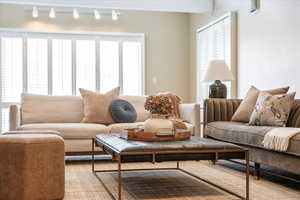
[75,14]
[35,12]
[52,13]
[97,14]
[114,15]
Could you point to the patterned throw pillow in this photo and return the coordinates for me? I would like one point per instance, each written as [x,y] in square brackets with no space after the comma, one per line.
[244,111]
[272,110]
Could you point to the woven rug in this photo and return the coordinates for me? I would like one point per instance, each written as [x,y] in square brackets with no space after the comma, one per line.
[162,185]
[173,185]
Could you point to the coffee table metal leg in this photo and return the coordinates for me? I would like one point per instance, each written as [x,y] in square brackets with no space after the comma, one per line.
[247,175]
[93,154]
[119,178]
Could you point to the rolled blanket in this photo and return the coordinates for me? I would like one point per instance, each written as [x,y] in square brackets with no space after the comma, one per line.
[279,138]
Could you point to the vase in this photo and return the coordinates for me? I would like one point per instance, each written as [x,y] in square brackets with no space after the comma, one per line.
[158,123]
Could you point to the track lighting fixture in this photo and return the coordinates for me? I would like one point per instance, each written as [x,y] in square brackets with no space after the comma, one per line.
[114,15]
[97,14]
[35,12]
[52,13]
[75,14]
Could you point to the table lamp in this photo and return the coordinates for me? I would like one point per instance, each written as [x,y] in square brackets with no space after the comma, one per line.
[218,71]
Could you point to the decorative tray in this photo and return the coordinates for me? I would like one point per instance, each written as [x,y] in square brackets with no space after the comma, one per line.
[138,134]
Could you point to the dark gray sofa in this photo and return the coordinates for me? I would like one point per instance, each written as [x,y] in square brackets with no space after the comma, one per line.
[217,125]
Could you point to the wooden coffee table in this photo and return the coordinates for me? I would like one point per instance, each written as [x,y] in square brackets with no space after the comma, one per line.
[124,151]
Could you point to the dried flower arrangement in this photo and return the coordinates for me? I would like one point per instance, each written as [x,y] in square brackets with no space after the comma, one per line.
[159,104]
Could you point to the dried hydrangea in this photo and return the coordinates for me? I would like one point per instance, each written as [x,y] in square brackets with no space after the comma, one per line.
[159,104]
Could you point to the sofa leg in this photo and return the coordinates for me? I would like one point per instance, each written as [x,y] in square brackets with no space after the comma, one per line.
[214,162]
[257,171]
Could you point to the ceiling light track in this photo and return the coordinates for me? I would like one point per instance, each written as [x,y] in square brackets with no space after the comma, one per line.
[53,12]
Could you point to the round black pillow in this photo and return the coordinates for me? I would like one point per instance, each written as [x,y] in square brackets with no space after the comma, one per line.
[122,111]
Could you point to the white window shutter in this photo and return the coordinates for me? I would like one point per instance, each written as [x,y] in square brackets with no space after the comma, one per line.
[37,65]
[132,81]
[109,65]
[213,42]
[85,65]
[11,69]
[61,67]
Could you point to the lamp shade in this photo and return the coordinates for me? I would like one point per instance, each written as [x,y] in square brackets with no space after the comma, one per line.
[218,70]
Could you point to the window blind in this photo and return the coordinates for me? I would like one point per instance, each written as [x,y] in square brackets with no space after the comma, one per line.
[37,66]
[62,67]
[85,65]
[11,69]
[213,42]
[131,62]
[109,65]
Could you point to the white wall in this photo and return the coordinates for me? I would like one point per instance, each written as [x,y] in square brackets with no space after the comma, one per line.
[268,44]
[167,47]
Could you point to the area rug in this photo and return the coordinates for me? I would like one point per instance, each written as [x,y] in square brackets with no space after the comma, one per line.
[81,184]
[162,185]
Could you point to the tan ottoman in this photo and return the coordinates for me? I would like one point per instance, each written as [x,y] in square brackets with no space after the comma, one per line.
[32,167]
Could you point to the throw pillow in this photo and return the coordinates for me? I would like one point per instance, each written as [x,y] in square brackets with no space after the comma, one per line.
[272,110]
[122,111]
[96,106]
[244,111]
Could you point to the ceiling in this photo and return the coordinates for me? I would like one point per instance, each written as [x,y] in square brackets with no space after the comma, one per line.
[186,6]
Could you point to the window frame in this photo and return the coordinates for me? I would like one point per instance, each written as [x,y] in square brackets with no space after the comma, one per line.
[73,36]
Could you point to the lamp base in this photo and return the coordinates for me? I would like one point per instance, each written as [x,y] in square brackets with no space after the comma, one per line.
[218,90]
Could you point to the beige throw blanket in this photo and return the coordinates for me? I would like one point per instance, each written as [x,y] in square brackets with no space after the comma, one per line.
[279,138]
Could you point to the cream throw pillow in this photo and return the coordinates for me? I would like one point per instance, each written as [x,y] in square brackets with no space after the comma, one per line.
[272,110]
[244,111]
[96,105]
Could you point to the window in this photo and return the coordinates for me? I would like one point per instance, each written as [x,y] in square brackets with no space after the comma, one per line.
[216,41]
[85,65]
[37,66]
[109,65]
[62,67]
[60,63]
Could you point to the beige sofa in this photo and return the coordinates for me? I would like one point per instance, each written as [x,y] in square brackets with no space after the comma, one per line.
[64,113]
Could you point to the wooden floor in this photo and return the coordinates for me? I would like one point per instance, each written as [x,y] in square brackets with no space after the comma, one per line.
[173,185]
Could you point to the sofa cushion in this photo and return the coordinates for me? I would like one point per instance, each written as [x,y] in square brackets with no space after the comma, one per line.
[96,105]
[122,111]
[244,111]
[66,109]
[241,133]
[69,130]
[138,102]
[272,110]
[50,109]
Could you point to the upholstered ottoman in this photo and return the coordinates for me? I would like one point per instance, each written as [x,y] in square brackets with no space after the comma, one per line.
[32,167]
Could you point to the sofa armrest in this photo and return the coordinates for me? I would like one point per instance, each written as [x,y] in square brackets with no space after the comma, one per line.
[220,109]
[14,117]
[294,116]
[191,114]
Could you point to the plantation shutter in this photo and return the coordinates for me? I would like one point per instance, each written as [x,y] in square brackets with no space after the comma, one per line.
[213,42]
